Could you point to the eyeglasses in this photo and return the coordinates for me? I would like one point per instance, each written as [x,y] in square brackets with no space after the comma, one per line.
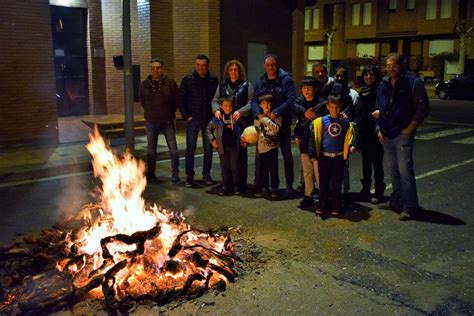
[390,66]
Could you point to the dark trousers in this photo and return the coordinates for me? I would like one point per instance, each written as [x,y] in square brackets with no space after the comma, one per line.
[230,168]
[284,138]
[243,168]
[372,157]
[268,169]
[152,132]
[330,178]
[193,127]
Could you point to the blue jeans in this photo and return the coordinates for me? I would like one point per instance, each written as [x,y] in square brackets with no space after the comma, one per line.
[398,156]
[192,130]
[152,132]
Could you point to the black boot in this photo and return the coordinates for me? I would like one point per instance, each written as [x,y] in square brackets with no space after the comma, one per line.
[364,194]
[379,190]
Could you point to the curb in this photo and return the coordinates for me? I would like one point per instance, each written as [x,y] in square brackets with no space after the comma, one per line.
[46,172]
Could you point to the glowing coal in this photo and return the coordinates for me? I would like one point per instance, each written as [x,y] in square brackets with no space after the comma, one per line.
[122,250]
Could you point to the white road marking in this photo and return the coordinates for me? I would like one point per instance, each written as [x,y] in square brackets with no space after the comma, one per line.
[448,132]
[465,141]
[436,171]
[427,127]
[68,175]
[450,123]
[62,176]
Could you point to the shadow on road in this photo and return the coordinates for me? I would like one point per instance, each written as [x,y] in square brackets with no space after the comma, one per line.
[354,213]
[435,217]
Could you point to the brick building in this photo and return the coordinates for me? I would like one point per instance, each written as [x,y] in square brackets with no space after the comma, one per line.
[370,29]
[62,57]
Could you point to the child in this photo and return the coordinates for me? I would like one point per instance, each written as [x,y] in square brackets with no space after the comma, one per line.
[267,147]
[224,135]
[331,141]
[308,107]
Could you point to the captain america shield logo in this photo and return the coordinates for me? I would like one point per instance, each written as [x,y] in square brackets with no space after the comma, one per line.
[334,129]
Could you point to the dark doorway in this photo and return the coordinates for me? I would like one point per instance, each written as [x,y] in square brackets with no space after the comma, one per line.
[70,60]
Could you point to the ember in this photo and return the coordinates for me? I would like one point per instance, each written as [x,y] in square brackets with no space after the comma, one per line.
[122,250]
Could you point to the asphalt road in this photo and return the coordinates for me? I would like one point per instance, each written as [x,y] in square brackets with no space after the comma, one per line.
[363,262]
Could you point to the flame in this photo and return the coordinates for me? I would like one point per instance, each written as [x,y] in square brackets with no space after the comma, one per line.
[147,249]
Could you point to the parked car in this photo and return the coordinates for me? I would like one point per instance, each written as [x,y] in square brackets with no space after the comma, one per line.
[460,87]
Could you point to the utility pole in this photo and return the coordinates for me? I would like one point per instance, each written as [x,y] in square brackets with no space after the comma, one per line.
[330,35]
[127,76]
[462,31]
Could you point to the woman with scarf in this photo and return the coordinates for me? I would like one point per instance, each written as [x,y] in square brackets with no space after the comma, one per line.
[234,84]
[367,142]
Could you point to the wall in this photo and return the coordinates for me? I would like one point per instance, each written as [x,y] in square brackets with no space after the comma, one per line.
[265,21]
[27,86]
[196,30]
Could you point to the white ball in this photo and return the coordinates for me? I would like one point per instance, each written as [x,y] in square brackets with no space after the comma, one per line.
[250,135]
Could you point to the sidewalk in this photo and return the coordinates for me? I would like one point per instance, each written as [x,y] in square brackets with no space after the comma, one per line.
[20,163]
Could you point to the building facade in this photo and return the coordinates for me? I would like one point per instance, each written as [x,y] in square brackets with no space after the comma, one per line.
[64,57]
[367,31]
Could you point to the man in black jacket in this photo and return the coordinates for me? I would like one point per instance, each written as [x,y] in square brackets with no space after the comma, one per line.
[159,99]
[195,96]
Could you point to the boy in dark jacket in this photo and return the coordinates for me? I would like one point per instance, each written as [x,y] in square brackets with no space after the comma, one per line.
[307,107]
[224,135]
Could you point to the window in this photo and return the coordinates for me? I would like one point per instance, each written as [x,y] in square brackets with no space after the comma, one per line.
[431,9]
[315,19]
[307,19]
[315,52]
[367,18]
[441,46]
[392,6]
[446,6]
[410,5]
[356,14]
[365,50]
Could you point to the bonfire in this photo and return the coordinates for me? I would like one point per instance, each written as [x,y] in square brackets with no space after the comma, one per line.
[122,250]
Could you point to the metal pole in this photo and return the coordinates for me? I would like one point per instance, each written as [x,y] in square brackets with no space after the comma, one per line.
[127,76]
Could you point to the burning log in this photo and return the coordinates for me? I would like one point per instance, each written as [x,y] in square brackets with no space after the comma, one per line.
[119,250]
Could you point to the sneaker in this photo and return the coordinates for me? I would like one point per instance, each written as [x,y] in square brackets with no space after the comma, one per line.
[189,183]
[300,188]
[259,192]
[274,193]
[336,212]
[208,179]
[307,201]
[224,191]
[409,213]
[289,190]
[175,178]
[405,215]
[319,210]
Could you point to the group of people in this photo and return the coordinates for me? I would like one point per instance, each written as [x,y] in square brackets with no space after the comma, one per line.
[333,121]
